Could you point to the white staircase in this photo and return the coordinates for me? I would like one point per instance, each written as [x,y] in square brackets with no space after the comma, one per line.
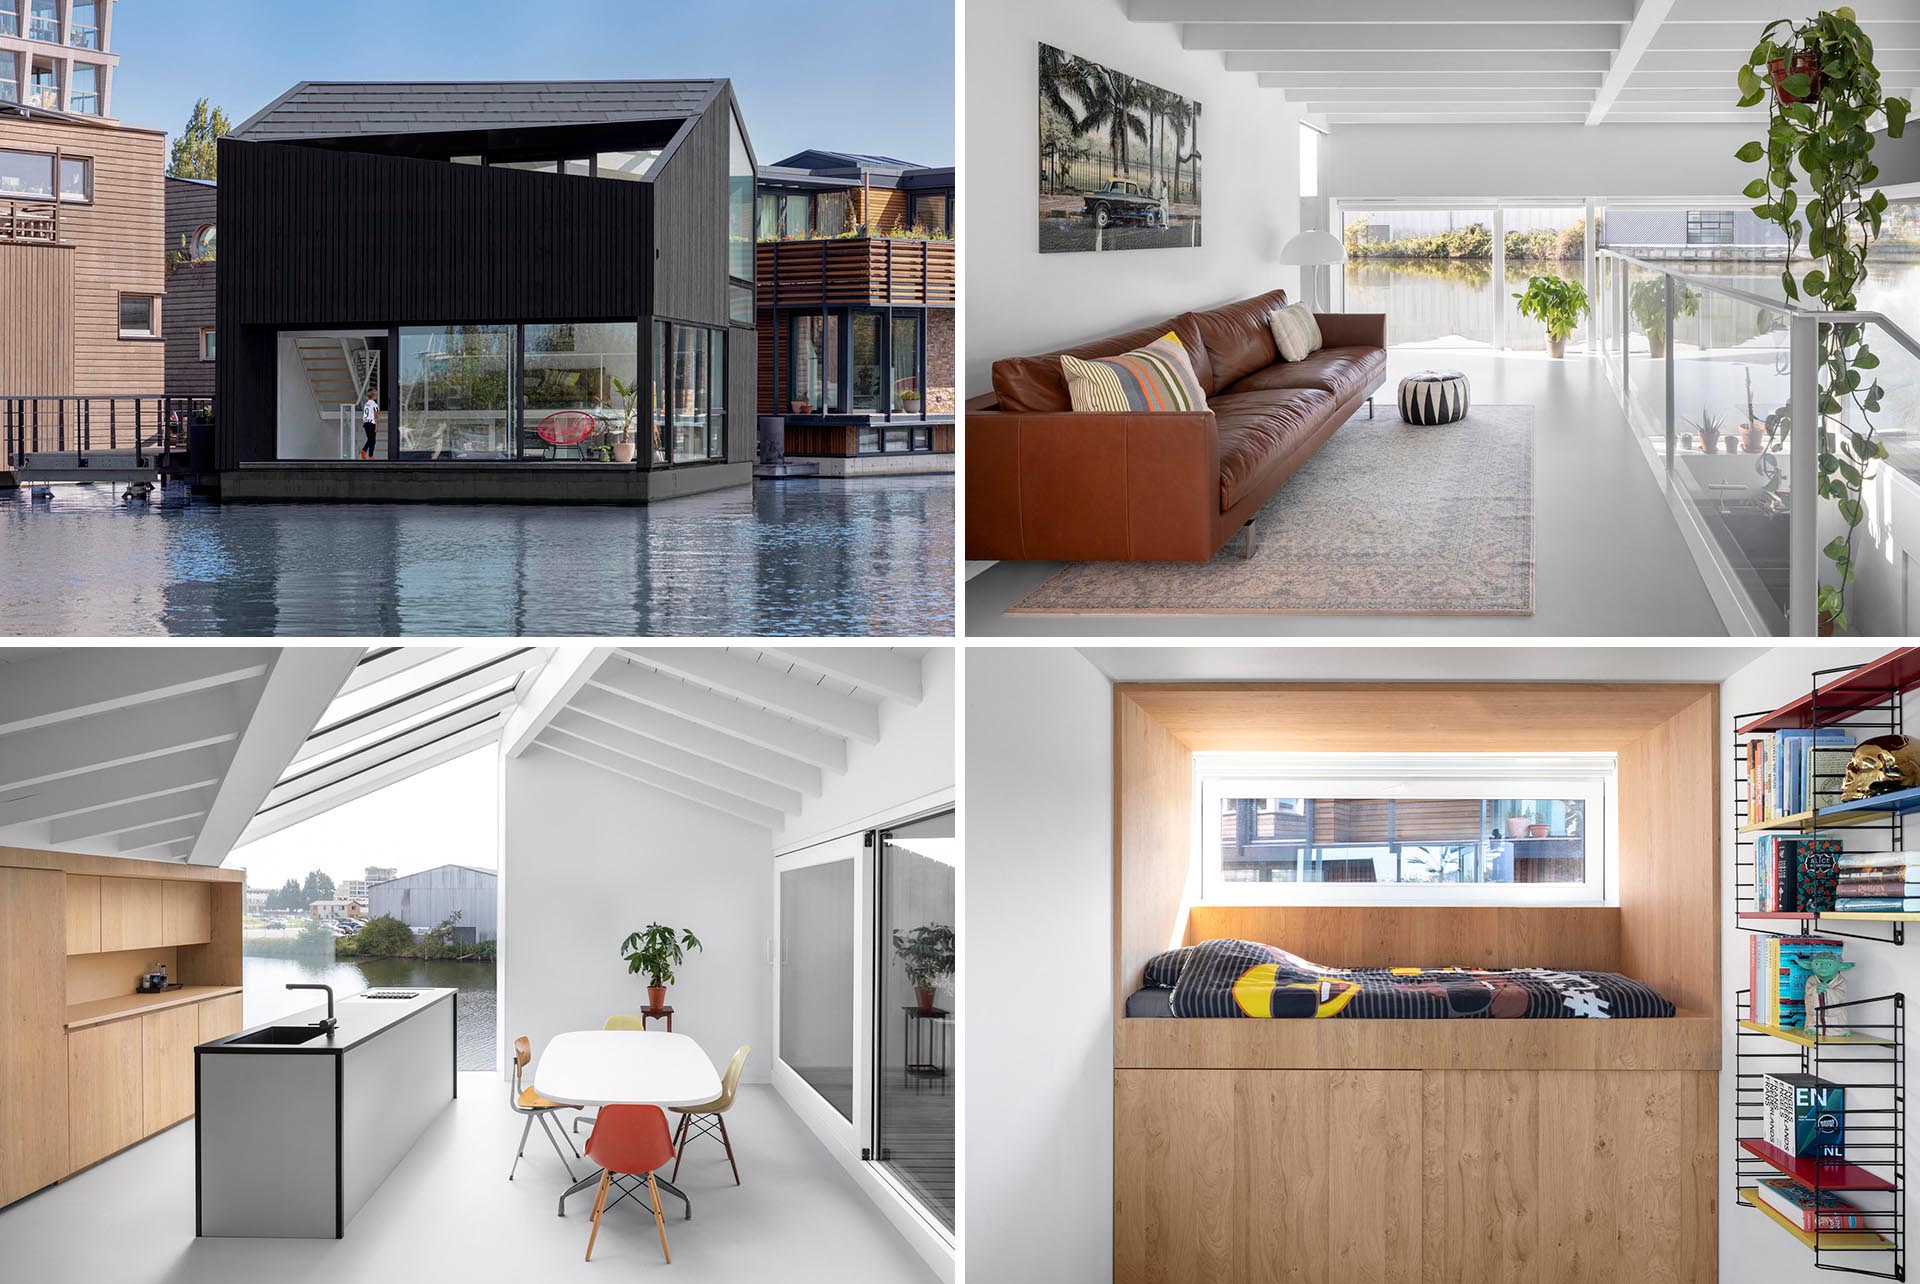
[339,372]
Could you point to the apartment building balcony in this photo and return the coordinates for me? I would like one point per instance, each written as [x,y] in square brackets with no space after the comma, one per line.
[858,271]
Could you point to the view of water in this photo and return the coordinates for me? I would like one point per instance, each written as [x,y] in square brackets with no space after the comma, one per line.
[825,557]
[268,999]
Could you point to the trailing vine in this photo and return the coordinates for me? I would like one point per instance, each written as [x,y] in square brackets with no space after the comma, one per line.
[1823,94]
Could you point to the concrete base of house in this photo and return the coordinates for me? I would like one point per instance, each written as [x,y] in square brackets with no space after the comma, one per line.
[901,465]
[785,472]
[9,480]
[473,482]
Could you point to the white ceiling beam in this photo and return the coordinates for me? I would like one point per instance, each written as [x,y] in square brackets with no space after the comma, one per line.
[695,771]
[559,681]
[757,726]
[747,679]
[299,783]
[1740,37]
[1317,12]
[175,850]
[77,795]
[678,787]
[1310,80]
[478,677]
[884,672]
[1744,12]
[390,773]
[165,834]
[1657,60]
[378,665]
[185,804]
[701,741]
[1726,97]
[1436,39]
[1455,118]
[1581,94]
[1413,62]
[88,680]
[115,740]
[1634,42]
[299,686]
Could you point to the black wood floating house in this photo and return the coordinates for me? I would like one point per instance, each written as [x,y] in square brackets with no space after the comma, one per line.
[546,287]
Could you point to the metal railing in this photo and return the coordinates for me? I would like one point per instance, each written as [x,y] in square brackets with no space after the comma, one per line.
[144,431]
[1750,362]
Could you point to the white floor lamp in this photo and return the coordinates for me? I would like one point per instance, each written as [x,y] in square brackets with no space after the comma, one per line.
[1312,249]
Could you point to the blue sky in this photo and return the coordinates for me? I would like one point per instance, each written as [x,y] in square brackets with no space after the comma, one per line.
[847,75]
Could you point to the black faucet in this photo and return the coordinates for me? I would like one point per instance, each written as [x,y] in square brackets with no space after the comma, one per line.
[329,1025]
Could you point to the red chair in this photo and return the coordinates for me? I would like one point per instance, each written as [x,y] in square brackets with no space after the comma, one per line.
[630,1141]
[565,428]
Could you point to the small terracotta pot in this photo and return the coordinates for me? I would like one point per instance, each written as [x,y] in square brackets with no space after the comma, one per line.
[1709,443]
[923,994]
[1805,62]
[1753,437]
[656,996]
[623,452]
[1537,831]
[1826,624]
[1517,826]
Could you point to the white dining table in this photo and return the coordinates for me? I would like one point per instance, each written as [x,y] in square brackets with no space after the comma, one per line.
[624,1067]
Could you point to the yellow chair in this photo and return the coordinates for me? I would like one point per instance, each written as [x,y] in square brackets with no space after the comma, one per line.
[618,1021]
[711,1117]
[526,1101]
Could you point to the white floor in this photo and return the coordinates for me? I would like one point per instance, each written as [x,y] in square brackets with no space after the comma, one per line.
[449,1213]
[1608,556]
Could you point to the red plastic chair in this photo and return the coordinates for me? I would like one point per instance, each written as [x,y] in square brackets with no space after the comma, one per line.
[630,1141]
[567,428]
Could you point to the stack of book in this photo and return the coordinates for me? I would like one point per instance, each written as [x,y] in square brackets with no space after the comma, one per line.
[1778,977]
[1878,882]
[1789,772]
[1811,1212]
[1794,875]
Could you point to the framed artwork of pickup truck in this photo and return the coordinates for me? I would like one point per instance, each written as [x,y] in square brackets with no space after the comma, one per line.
[1119,160]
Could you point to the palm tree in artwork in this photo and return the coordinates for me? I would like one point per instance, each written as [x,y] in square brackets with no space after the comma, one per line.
[1179,120]
[1111,102]
[1060,75]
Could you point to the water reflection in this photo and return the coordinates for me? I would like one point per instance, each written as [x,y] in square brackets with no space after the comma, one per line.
[805,558]
[264,982]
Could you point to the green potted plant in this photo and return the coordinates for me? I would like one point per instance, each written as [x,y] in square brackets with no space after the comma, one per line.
[1647,301]
[926,955]
[623,444]
[656,951]
[1709,425]
[1826,96]
[1557,303]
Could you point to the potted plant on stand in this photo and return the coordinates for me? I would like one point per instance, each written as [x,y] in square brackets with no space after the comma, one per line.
[926,955]
[1558,304]
[656,951]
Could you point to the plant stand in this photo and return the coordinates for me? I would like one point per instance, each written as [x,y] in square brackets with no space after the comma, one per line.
[657,1014]
[923,1044]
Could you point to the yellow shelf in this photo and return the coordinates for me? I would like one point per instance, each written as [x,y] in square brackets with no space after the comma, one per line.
[1807,1040]
[1825,1239]
[1868,916]
[1805,820]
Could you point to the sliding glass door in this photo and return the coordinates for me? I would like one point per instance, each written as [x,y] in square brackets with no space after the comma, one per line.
[817,985]
[1429,270]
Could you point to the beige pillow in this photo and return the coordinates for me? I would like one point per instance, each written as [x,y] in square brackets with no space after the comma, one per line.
[1295,331]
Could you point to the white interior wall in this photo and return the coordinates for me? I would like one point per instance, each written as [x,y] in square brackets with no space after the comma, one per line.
[589,856]
[301,433]
[1038,1071]
[1750,1248]
[1022,301]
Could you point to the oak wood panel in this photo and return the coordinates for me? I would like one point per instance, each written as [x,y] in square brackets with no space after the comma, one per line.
[1690,1041]
[1185,1125]
[132,913]
[119,1007]
[221,1016]
[1481,1171]
[167,1038]
[1423,935]
[83,913]
[218,962]
[1153,871]
[105,1097]
[116,866]
[34,1147]
[1281,1160]
[93,977]
[1379,1168]
[187,914]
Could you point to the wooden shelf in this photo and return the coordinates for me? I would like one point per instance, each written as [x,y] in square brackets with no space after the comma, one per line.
[1807,1040]
[1871,684]
[100,1011]
[1840,814]
[1830,1175]
[1825,1239]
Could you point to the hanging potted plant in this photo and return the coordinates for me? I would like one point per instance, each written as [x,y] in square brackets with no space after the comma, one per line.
[656,951]
[1820,132]
[1558,304]
[926,955]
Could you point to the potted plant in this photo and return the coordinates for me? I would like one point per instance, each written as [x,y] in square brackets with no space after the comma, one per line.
[623,443]
[1558,304]
[801,406]
[1753,432]
[1538,830]
[1647,302]
[926,955]
[656,951]
[1709,425]
[1519,823]
[1820,131]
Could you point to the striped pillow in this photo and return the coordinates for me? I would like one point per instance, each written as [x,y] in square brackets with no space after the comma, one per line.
[1156,377]
[1295,331]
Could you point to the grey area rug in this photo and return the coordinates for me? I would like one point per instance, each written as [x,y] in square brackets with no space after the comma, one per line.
[1385,519]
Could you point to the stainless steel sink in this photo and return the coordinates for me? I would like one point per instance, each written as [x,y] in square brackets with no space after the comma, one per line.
[281,1035]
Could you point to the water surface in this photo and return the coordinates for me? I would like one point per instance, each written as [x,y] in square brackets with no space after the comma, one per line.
[264,982]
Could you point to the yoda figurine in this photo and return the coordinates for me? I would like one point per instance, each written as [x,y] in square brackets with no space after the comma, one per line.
[1826,991]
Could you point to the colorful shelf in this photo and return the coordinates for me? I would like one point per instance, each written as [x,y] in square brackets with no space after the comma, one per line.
[1833,916]
[1802,1171]
[1807,1040]
[1825,1239]
[1866,686]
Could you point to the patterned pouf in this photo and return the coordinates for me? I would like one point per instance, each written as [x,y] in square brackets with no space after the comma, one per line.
[1434,397]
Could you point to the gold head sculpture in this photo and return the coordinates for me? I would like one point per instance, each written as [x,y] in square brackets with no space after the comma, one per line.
[1880,766]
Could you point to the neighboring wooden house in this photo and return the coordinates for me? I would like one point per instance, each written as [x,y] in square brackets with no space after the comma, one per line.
[191,236]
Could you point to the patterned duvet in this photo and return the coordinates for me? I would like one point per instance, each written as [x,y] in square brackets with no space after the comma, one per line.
[1245,979]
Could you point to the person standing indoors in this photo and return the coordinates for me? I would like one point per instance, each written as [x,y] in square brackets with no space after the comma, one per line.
[369,422]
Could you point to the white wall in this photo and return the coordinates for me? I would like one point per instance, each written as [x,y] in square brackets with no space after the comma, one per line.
[1038,1051]
[589,856]
[1750,1249]
[1022,301]
[1554,161]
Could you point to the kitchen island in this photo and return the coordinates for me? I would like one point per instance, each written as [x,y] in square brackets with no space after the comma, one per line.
[300,1123]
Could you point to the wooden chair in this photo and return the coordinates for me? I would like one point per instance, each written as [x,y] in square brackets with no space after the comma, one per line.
[525,1101]
[629,1141]
[711,1117]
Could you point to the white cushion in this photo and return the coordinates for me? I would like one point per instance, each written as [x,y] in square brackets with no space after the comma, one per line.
[1295,331]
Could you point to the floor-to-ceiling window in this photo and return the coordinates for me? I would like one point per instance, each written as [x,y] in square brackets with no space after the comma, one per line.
[1429,270]
[576,368]
[1541,240]
[457,391]
[689,400]
[816,964]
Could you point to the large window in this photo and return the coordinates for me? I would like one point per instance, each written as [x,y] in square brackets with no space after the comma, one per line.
[627,165]
[44,87]
[909,392]
[1423,828]
[796,216]
[689,420]
[1429,270]
[9,72]
[85,100]
[26,174]
[457,392]
[867,387]
[915,1034]
[815,372]
[1709,227]
[9,17]
[591,367]
[43,21]
[84,26]
[817,971]
[740,230]
[834,213]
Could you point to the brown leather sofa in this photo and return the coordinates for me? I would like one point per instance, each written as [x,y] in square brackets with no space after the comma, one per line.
[1046,483]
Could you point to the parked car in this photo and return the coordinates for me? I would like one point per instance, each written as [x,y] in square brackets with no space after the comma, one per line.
[1127,201]
[276,924]
[345,927]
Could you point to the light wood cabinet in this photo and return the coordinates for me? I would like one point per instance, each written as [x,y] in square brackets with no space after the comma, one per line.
[166,1065]
[187,917]
[33,1051]
[83,913]
[132,913]
[106,1108]
[220,1017]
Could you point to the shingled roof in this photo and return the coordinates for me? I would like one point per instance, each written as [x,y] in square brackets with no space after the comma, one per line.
[346,109]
